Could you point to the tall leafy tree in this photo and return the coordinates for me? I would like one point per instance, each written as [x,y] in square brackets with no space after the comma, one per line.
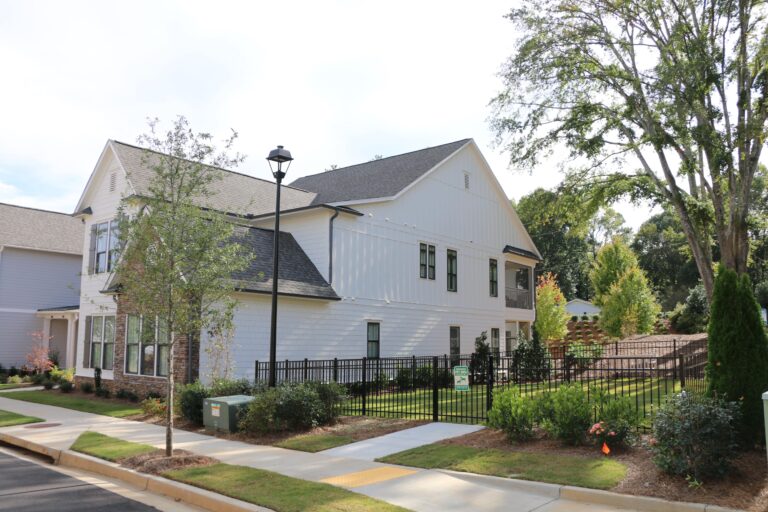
[629,307]
[662,252]
[612,262]
[179,255]
[551,316]
[679,89]
[560,235]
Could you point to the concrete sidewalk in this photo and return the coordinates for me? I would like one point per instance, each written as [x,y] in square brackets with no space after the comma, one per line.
[415,489]
[377,447]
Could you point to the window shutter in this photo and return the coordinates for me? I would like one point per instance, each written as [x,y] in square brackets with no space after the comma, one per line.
[92,250]
[87,343]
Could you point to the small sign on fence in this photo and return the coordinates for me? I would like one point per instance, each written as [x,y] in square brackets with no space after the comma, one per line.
[461,378]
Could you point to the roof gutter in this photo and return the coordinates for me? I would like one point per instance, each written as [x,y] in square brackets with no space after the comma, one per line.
[330,245]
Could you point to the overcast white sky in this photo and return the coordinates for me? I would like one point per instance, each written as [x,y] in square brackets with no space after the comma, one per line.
[335,82]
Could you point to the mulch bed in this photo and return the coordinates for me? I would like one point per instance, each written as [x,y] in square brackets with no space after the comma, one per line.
[156,463]
[359,428]
[746,487]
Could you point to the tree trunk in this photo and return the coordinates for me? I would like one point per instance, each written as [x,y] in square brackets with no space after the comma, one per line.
[169,401]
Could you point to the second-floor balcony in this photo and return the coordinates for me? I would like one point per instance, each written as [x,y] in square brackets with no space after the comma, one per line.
[517,298]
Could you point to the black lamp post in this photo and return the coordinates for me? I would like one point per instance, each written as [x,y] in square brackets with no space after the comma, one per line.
[278,156]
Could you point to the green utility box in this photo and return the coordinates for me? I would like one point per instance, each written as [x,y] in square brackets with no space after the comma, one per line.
[222,413]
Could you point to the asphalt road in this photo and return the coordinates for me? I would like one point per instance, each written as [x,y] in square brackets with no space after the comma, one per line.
[31,487]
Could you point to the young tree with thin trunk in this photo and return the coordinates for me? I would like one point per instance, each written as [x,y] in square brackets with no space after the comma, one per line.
[178,254]
[658,99]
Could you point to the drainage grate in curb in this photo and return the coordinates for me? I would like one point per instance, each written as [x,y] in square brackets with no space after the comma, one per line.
[43,425]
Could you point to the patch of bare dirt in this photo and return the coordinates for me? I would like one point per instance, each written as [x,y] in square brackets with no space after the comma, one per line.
[746,487]
[156,463]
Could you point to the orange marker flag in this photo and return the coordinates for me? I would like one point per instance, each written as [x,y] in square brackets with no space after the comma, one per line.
[605,449]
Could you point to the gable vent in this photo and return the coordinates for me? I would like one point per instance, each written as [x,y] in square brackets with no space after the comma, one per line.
[112,181]
[466,180]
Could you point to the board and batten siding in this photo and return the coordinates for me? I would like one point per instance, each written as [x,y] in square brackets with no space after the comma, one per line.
[32,280]
[315,329]
[376,273]
[104,203]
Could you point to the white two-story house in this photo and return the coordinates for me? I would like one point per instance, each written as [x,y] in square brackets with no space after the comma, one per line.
[415,254]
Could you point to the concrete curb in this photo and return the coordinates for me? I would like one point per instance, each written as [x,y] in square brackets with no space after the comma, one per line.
[31,446]
[595,496]
[142,481]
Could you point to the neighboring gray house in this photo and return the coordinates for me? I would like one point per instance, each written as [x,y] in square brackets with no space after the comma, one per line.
[40,259]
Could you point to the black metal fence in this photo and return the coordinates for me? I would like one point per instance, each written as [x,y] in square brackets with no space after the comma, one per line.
[423,387]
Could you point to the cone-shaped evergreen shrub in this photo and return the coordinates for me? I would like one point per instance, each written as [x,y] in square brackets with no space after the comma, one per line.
[738,351]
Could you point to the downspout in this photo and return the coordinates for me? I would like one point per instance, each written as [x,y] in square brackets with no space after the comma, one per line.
[330,245]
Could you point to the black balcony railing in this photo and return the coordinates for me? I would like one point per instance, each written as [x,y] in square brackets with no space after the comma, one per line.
[517,298]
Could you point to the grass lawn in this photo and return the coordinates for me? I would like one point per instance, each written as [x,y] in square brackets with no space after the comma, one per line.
[9,419]
[114,408]
[109,448]
[277,492]
[315,442]
[647,394]
[265,488]
[14,386]
[595,473]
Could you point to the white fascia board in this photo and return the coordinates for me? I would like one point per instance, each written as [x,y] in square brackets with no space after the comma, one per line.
[108,146]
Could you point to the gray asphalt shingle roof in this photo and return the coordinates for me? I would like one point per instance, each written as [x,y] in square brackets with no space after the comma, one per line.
[297,274]
[378,178]
[40,229]
[234,193]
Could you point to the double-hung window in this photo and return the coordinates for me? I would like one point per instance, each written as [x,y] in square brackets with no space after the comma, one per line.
[455,344]
[99,342]
[453,280]
[493,277]
[104,247]
[146,346]
[495,341]
[374,340]
[427,261]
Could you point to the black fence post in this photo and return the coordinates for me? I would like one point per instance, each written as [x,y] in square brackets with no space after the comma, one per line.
[306,369]
[682,371]
[256,372]
[365,383]
[287,379]
[616,348]
[489,385]
[435,392]
[335,370]
[674,356]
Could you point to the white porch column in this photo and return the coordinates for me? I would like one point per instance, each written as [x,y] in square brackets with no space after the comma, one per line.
[71,341]
[47,332]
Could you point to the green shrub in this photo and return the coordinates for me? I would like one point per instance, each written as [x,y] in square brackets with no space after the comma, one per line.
[97,378]
[66,386]
[59,375]
[102,392]
[582,354]
[574,318]
[569,414]
[618,419]
[737,366]
[86,387]
[154,407]
[191,396]
[48,384]
[478,363]
[292,407]
[37,379]
[513,413]
[530,360]
[691,317]
[14,379]
[126,394]
[695,436]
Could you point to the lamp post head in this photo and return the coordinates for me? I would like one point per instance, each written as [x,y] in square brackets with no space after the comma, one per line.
[279,156]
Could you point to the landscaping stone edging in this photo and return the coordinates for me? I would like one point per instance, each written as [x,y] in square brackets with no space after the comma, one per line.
[594,496]
[142,481]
